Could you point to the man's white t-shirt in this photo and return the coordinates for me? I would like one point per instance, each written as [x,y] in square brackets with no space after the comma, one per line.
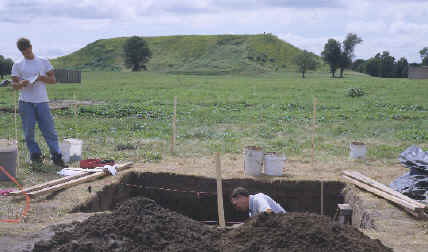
[26,70]
[261,202]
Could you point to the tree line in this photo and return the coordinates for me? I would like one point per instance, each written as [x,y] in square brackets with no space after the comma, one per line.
[384,65]
[5,66]
[339,56]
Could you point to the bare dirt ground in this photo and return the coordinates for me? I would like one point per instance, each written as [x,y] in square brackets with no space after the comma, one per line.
[380,219]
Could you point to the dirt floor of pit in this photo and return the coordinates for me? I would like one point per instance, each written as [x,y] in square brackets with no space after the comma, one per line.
[376,217]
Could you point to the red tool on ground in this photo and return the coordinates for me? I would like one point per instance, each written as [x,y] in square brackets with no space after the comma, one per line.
[93,163]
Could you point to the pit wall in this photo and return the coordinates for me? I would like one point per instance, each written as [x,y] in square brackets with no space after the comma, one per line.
[195,197]
[362,217]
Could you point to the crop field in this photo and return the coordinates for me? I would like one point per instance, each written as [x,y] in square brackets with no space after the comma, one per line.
[131,117]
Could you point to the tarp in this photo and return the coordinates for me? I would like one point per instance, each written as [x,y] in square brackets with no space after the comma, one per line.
[414,184]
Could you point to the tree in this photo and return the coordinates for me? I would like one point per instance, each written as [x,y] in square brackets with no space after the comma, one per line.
[402,68]
[373,65]
[5,66]
[332,55]
[137,53]
[387,64]
[1,66]
[358,65]
[424,56]
[348,51]
[384,65]
[305,61]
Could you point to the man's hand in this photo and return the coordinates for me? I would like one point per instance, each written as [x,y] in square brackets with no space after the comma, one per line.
[49,78]
[42,78]
[17,84]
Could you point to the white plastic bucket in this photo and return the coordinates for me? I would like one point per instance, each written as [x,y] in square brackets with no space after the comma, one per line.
[253,160]
[274,163]
[358,150]
[8,154]
[71,150]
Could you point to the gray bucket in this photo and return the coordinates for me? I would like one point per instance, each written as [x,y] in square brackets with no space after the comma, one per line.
[8,154]
[253,160]
[358,150]
[274,163]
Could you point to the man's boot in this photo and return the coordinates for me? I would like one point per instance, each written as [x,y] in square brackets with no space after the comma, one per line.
[57,160]
[36,162]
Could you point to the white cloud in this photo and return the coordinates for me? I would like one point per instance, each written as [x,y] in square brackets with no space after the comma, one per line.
[315,45]
[62,26]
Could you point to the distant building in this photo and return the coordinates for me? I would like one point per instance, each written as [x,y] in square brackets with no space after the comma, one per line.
[68,76]
[418,72]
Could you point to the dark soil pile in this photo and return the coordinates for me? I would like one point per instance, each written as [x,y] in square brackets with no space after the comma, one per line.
[140,224]
[298,232]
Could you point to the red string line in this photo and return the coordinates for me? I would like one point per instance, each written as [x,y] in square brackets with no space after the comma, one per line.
[27,199]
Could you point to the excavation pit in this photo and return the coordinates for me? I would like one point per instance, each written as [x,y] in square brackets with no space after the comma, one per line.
[195,197]
[150,212]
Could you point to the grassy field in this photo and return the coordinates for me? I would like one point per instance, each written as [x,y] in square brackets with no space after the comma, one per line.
[132,119]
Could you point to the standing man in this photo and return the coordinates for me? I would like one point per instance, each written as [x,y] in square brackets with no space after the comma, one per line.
[254,204]
[30,77]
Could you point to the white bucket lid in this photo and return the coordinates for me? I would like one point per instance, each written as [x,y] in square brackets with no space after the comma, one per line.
[73,140]
[8,147]
[275,155]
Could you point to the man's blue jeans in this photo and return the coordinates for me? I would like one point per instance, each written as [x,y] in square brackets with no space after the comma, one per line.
[40,113]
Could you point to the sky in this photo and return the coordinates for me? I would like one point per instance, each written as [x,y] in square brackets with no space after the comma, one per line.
[59,27]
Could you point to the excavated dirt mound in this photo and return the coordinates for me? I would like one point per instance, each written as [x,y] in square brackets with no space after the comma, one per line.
[298,232]
[140,224]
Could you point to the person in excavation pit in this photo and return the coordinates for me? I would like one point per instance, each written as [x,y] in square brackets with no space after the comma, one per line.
[254,204]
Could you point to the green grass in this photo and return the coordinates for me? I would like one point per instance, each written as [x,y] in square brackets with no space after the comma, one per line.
[191,54]
[226,113]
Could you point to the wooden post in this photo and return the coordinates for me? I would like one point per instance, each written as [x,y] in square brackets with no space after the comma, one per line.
[313,131]
[75,113]
[16,135]
[313,153]
[220,193]
[174,130]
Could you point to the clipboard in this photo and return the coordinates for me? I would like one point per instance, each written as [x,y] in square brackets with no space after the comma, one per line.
[33,79]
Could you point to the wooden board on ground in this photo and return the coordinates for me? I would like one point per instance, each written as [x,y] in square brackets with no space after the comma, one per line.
[382,187]
[48,184]
[76,181]
[411,206]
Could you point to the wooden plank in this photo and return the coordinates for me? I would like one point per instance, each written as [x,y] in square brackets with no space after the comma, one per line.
[221,220]
[404,204]
[77,181]
[374,183]
[49,183]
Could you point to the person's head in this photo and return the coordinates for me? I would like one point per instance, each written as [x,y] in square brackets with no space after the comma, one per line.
[24,45]
[240,199]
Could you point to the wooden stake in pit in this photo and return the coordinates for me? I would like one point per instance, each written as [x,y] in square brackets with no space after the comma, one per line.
[221,220]
[313,153]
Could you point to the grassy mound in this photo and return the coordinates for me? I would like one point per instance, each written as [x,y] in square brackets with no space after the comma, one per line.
[192,54]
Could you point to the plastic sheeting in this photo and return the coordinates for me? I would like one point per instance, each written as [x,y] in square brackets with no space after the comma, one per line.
[414,184]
